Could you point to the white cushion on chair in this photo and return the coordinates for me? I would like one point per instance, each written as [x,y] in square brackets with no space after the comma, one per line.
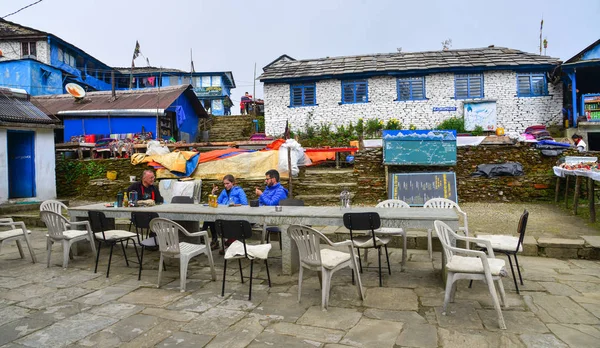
[70,234]
[12,233]
[501,242]
[115,234]
[390,230]
[258,251]
[466,264]
[367,242]
[332,258]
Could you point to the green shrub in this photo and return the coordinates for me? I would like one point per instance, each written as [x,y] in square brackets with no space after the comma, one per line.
[453,123]
[393,124]
[477,131]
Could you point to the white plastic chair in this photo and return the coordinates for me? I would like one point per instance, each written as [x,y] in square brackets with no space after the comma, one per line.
[17,233]
[475,265]
[443,203]
[326,261]
[59,230]
[167,233]
[393,203]
[53,206]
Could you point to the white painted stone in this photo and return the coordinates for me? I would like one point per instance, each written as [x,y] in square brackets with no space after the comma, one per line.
[514,114]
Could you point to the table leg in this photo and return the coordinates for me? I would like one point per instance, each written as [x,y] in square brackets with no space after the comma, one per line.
[567,192]
[557,189]
[591,198]
[289,253]
[576,194]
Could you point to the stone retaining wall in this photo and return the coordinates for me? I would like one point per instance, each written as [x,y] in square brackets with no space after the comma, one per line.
[87,179]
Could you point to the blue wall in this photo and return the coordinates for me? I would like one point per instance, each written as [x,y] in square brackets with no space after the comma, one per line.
[594,53]
[190,124]
[75,126]
[90,80]
[34,77]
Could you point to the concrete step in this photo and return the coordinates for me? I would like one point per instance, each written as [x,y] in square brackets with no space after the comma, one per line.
[31,219]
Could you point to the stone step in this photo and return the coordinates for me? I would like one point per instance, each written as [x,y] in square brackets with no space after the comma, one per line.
[326,185]
[31,219]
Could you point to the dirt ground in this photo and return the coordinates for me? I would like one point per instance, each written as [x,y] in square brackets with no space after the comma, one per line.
[545,219]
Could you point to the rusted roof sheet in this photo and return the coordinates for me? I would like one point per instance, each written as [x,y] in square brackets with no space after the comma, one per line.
[147,70]
[485,58]
[150,98]
[15,107]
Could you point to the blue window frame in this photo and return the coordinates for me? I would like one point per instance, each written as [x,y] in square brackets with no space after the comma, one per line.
[303,95]
[532,85]
[468,86]
[411,88]
[355,91]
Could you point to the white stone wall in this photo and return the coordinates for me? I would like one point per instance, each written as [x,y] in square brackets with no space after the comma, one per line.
[12,50]
[514,114]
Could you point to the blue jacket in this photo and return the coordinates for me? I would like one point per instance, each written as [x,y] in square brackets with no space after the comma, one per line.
[273,194]
[237,195]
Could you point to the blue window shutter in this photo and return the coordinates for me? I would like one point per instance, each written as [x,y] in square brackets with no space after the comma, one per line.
[531,85]
[468,86]
[302,95]
[355,91]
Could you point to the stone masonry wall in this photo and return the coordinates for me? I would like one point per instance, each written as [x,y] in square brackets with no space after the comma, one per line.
[514,114]
[73,177]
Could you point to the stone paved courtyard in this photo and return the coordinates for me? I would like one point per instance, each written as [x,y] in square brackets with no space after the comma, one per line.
[559,306]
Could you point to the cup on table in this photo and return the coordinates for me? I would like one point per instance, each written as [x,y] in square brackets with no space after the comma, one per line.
[278,208]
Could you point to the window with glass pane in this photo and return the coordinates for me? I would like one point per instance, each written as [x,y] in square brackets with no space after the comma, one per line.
[302,95]
[205,81]
[60,55]
[355,91]
[531,85]
[28,49]
[468,86]
[216,81]
[412,88]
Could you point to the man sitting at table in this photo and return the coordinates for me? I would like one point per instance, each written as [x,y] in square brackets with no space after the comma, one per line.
[273,192]
[145,189]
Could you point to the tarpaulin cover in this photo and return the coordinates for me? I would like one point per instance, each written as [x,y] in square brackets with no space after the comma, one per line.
[249,165]
[179,163]
[500,169]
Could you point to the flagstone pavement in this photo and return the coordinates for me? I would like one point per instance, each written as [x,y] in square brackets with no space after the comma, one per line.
[559,305]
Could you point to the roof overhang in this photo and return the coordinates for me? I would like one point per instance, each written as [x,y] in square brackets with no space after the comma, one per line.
[113,112]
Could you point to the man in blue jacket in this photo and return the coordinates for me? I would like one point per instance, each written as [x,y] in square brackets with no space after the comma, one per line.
[274,192]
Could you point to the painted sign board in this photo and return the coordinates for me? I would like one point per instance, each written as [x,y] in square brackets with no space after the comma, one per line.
[480,114]
[444,108]
[417,188]
[208,91]
[419,147]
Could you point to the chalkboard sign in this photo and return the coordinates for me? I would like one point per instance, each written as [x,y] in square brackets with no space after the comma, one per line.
[419,147]
[417,188]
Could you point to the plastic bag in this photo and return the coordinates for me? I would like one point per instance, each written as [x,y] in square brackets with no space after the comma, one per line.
[501,169]
[296,154]
[154,148]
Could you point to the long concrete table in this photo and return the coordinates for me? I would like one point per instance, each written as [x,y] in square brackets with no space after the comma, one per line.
[413,218]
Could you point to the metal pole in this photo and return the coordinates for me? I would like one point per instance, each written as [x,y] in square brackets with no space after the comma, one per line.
[289,156]
[254,92]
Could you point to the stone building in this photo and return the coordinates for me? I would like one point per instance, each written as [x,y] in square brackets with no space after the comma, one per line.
[420,88]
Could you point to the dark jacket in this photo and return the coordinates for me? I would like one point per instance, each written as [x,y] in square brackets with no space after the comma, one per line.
[273,194]
[150,192]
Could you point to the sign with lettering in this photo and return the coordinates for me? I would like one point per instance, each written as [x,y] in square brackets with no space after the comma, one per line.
[417,188]
[419,147]
[209,91]
[444,108]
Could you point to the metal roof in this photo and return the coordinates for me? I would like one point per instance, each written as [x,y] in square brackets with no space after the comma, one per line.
[153,98]
[487,58]
[15,107]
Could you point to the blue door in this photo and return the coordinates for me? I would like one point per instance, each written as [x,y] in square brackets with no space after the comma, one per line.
[21,164]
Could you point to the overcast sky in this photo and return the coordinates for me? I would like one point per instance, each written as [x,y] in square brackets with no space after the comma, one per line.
[232,35]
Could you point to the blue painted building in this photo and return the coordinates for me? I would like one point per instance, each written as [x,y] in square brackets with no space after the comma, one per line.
[42,63]
[169,112]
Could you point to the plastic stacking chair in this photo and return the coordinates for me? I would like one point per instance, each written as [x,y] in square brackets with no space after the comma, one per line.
[509,245]
[367,222]
[240,230]
[443,203]
[167,233]
[100,225]
[326,261]
[393,231]
[475,265]
[53,206]
[17,232]
[60,231]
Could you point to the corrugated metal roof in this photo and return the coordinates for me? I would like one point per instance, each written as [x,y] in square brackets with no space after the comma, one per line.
[14,107]
[488,58]
[128,99]
[147,70]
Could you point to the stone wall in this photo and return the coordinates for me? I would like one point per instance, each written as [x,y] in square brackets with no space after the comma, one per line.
[73,177]
[514,114]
